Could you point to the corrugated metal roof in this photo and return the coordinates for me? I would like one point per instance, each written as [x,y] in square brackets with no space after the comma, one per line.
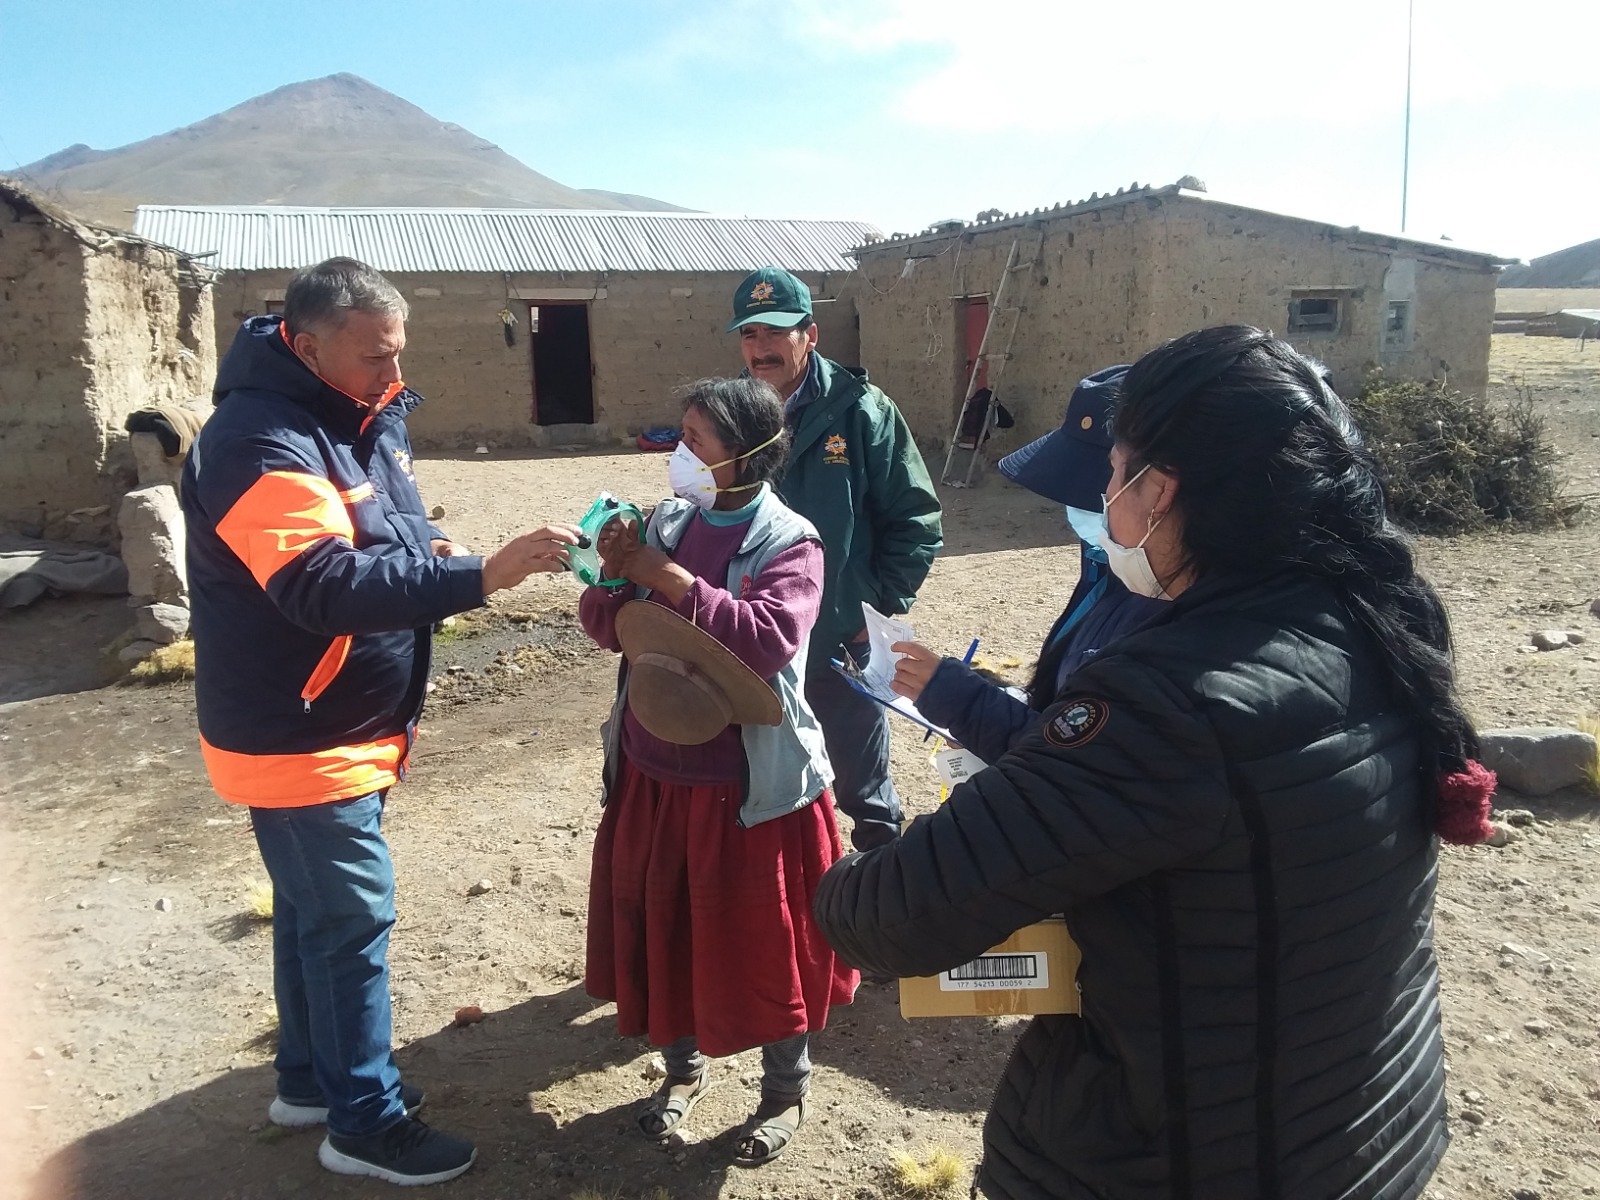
[269,237]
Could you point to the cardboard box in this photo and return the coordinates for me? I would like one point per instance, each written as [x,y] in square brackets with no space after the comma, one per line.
[1033,971]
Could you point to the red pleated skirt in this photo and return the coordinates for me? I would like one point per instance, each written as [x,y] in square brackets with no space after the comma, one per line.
[698,926]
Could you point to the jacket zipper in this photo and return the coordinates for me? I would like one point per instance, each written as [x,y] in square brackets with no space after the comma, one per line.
[328,667]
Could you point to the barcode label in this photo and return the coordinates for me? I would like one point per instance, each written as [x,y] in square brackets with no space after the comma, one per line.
[999,972]
[957,766]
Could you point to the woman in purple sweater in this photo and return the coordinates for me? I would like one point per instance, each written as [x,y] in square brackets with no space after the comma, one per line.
[708,856]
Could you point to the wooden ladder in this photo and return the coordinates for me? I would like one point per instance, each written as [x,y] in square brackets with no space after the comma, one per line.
[995,359]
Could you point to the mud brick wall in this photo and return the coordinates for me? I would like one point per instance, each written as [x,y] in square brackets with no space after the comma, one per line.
[648,334]
[91,328]
[1208,265]
[149,341]
[49,446]
[1084,306]
[1114,281]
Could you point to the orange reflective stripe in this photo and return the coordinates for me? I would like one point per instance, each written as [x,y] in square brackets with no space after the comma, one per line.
[393,390]
[362,491]
[331,663]
[298,780]
[282,515]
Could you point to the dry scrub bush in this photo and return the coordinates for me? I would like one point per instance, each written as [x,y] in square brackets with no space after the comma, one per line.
[1454,463]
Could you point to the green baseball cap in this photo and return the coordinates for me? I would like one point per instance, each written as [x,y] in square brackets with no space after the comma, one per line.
[770,296]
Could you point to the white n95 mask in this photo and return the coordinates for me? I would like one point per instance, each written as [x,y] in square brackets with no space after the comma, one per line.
[691,479]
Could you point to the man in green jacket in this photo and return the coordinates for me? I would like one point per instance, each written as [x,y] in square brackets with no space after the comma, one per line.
[856,474]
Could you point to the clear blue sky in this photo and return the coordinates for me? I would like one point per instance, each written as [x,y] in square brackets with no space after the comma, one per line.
[899,112]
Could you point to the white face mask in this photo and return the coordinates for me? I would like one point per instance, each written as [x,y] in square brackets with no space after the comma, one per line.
[692,480]
[1130,563]
[1089,528]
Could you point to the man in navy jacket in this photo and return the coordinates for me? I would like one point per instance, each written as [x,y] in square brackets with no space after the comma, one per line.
[315,580]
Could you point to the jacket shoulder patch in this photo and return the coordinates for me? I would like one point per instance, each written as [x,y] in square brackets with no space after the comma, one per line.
[1078,724]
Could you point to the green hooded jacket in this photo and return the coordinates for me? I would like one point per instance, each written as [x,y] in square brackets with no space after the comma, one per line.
[856,474]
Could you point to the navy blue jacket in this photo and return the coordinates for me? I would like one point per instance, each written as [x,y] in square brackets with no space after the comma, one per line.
[312,579]
[989,720]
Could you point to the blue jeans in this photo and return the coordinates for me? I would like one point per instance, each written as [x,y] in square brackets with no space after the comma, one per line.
[856,731]
[332,909]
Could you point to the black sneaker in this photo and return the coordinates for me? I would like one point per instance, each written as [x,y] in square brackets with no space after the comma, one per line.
[302,1114]
[407,1153]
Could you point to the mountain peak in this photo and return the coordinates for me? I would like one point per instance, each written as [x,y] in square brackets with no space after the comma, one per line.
[336,140]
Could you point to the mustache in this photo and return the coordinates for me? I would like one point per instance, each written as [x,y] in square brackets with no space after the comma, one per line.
[766,362]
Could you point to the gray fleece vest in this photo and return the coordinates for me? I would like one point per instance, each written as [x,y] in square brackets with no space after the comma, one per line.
[786,766]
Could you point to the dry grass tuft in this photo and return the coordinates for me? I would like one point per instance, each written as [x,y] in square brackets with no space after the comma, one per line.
[1590,724]
[258,899]
[167,665]
[937,1173]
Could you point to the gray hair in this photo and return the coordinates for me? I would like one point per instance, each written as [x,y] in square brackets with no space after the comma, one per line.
[320,298]
[746,413]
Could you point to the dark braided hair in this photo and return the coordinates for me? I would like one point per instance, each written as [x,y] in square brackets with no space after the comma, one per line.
[1273,474]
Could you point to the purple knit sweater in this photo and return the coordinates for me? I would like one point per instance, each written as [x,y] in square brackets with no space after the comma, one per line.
[765,626]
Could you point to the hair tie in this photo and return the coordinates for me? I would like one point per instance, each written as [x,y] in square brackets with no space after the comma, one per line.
[1461,815]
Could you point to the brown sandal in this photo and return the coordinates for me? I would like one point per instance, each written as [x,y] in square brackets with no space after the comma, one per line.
[776,1120]
[666,1110]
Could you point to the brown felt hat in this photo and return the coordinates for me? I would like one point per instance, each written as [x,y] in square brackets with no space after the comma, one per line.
[684,686]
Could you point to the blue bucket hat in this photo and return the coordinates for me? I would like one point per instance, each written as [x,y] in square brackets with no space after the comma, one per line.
[1070,465]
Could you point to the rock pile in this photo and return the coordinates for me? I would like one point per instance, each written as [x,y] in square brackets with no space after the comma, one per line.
[153,540]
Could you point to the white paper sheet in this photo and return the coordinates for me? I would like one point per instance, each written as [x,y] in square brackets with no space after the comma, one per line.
[883,632]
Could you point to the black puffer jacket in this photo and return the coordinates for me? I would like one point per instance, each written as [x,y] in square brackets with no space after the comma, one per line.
[1228,808]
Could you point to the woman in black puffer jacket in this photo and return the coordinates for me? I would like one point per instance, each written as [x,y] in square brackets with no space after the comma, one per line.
[1238,810]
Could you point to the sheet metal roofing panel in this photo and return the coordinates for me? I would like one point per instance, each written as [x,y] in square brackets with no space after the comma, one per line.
[238,238]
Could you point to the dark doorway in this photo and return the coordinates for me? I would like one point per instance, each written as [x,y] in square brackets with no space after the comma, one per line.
[563,378]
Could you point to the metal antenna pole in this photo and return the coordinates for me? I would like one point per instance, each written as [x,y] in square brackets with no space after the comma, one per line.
[1405,162]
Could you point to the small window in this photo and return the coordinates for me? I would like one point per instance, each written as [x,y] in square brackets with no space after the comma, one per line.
[272,306]
[1315,314]
[1397,325]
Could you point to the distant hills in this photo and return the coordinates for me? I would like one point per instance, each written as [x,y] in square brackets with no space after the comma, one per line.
[1574,267]
[333,141]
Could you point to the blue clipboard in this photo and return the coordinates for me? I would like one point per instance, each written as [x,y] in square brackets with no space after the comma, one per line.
[890,701]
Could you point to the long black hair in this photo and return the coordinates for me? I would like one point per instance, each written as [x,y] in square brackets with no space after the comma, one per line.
[746,413]
[1272,474]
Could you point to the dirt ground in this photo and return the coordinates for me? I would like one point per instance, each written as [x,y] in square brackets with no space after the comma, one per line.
[139,1035]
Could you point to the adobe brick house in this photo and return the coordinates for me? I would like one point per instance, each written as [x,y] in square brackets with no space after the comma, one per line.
[607,312]
[1114,276]
[94,324]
